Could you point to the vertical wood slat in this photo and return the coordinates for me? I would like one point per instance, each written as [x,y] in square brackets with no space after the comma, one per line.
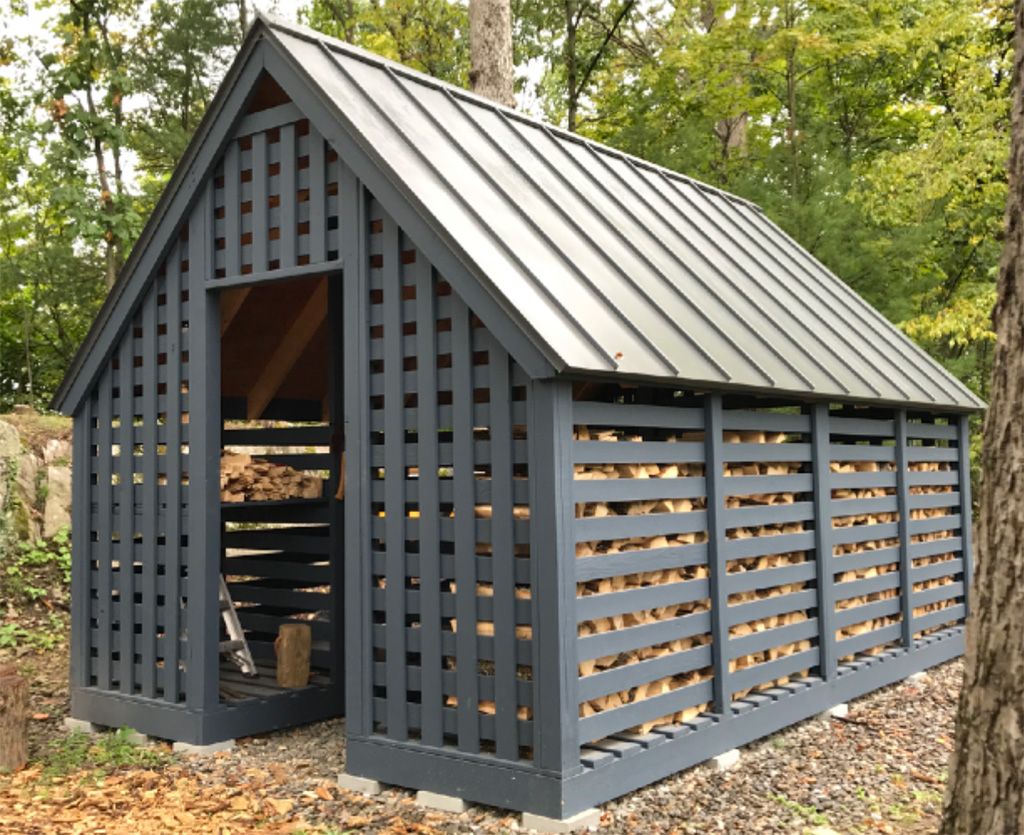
[394,483]
[823,539]
[502,553]
[126,525]
[149,495]
[203,614]
[903,507]
[468,721]
[358,679]
[713,478]
[288,196]
[336,340]
[431,715]
[172,468]
[317,197]
[966,522]
[104,546]
[260,209]
[552,577]
[232,210]
[81,525]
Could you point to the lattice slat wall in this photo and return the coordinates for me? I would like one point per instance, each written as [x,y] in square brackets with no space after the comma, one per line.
[138,494]
[450,541]
[787,546]
[276,202]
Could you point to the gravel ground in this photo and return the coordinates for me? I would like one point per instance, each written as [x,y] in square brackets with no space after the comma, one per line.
[881,769]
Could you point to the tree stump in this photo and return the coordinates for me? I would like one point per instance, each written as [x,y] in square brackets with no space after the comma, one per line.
[293,647]
[13,719]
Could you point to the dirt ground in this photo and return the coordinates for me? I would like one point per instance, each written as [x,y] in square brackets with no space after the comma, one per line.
[881,769]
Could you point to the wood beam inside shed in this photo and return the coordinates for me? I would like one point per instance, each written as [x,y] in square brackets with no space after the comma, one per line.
[288,350]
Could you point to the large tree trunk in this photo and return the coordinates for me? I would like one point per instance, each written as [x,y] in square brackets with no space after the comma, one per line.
[13,719]
[986,784]
[490,50]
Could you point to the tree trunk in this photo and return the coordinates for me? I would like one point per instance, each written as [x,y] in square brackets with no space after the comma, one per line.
[986,784]
[13,719]
[490,50]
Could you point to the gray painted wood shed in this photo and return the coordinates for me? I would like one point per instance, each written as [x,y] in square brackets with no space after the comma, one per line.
[629,478]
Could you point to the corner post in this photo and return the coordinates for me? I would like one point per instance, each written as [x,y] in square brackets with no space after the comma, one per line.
[552,578]
[80,574]
[714,475]
[356,397]
[903,507]
[204,435]
[823,539]
[966,522]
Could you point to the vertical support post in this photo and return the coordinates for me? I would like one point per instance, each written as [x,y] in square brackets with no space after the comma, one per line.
[81,563]
[288,197]
[232,210]
[336,384]
[463,494]
[260,209]
[823,539]
[431,696]
[317,197]
[125,494]
[358,638]
[966,522]
[172,467]
[104,544]
[204,433]
[553,578]
[715,488]
[394,484]
[150,509]
[903,507]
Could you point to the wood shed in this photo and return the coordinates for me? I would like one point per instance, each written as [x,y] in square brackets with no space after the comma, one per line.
[579,471]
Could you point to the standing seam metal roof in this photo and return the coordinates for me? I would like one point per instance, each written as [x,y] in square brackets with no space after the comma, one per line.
[619,265]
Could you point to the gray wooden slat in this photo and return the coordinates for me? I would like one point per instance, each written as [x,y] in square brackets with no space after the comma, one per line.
[765,421]
[632,675]
[903,499]
[465,539]
[759,546]
[278,436]
[260,224]
[714,456]
[937,431]
[771,577]
[317,197]
[758,515]
[769,670]
[932,571]
[83,467]
[766,452]
[745,485]
[937,594]
[609,721]
[172,465]
[394,484]
[149,497]
[966,529]
[619,415]
[358,623]
[866,559]
[935,524]
[869,611]
[626,527]
[104,546]
[867,585]
[776,637]
[431,697]
[823,536]
[124,499]
[874,638]
[861,452]
[232,210]
[593,606]
[637,452]
[947,615]
[507,741]
[758,609]
[203,614]
[931,500]
[637,489]
[932,453]
[629,562]
[287,193]
[861,426]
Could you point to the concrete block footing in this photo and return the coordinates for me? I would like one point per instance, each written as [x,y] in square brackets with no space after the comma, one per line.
[918,677]
[203,750]
[839,711]
[725,761]
[362,785]
[81,726]
[441,802]
[587,819]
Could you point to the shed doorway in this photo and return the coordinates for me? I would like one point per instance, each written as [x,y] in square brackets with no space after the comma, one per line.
[280,502]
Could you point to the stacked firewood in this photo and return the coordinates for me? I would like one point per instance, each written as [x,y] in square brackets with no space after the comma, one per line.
[244,478]
[652,578]
[929,513]
[859,547]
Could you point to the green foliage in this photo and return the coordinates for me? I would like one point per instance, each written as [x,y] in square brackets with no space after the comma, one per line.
[99,755]
[43,637]
[38,571]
